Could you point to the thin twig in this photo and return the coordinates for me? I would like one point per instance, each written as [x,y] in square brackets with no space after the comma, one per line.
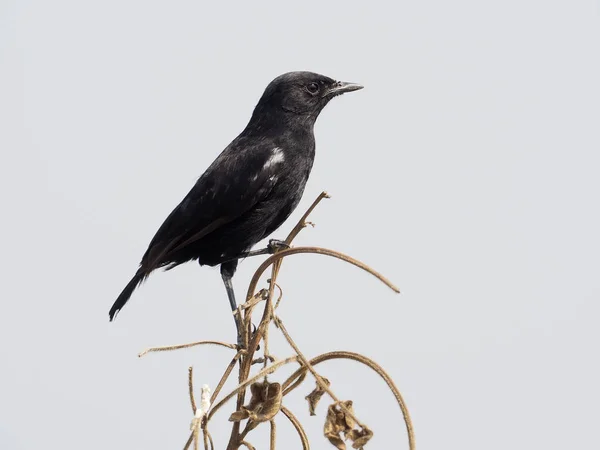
[280,296]
[210,439]
[295,384]
[225,376]
[205,438]
[177,347]
[244,371]
[191,387]
[302,222]
[189,441]
[247,429]
[273,434]
[298,426]
[258,297]
[319,251]
[266,343]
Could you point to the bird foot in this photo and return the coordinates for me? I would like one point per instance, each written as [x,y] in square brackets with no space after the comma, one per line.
[240,339]
[275,245]
[240,342]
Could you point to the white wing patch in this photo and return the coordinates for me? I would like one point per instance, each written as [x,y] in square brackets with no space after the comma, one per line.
[275,158]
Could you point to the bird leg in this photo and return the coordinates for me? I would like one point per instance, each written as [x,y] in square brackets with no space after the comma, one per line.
[227,271]
[228,268]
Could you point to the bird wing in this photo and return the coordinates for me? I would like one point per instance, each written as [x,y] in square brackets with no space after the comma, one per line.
[240,177]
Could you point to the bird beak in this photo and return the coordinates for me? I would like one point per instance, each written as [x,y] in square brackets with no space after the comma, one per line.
[341,87]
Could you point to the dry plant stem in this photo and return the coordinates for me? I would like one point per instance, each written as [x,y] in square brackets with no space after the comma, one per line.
[273,435]
[194,435]
[225,376]
[269,315]
[261,333]
[258,297]
[247,429]
[298,426]
[205,437]
[177,347]
[291,381]
[245,366]
[210,439]
[266,344]
[191,388]
[302,222]
[297,382]
[189,441]
[280,296]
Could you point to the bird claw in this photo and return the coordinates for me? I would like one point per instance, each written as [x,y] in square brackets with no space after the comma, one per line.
[275,245]
[240,340]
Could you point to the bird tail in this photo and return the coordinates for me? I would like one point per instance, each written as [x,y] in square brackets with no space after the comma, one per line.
[139,276]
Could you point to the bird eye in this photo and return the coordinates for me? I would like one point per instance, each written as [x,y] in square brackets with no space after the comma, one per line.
[313,88]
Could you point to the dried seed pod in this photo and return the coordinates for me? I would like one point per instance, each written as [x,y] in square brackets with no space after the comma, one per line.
[264,403]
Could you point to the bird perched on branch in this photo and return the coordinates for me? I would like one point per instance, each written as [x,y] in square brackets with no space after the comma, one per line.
[250,189]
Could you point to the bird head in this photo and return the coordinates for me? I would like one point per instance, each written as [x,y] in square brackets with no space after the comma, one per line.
[301,94]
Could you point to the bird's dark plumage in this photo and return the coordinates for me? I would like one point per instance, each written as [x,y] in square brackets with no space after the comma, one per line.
[252,186]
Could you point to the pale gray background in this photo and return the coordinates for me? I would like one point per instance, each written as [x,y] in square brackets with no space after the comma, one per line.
[467,171]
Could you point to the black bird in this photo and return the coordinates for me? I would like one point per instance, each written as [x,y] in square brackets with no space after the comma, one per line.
[250,189]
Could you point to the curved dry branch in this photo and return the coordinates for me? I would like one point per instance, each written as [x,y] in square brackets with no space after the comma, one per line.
[372,365]
[177,347]
[298,426]
[318,251]
[295,384]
